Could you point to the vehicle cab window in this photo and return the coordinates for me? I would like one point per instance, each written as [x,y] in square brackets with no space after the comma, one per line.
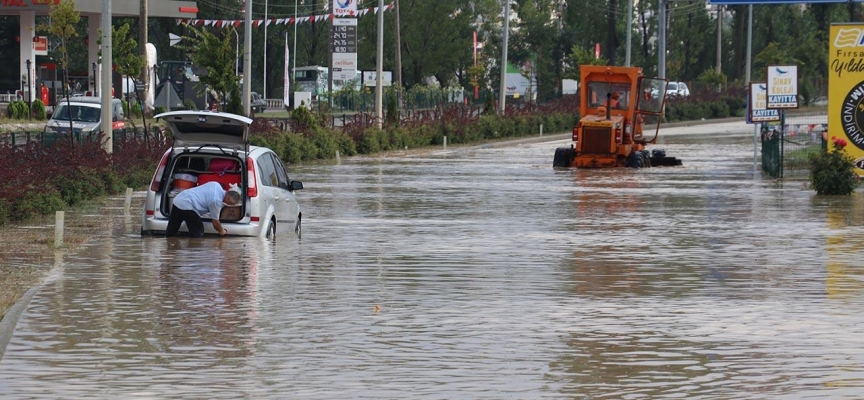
[597,93]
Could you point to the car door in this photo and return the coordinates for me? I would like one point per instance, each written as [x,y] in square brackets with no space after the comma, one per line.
[291,206]
[277,195]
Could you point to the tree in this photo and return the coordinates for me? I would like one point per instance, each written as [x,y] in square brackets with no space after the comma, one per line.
[63,18]
[125,51]
[534,42]
[216,55]
[61,25]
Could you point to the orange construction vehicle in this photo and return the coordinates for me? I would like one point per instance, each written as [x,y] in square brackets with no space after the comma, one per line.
[615,103]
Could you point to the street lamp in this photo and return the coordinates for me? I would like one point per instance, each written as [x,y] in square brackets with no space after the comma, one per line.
[29,92]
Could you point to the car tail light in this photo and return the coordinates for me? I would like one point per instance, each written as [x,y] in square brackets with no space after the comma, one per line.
[252,188]
[157,177]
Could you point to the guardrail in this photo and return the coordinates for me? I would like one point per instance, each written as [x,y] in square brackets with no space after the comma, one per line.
[8,97]
[275,103]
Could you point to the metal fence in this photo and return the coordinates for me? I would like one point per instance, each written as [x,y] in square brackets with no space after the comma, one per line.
[787,145]
[23,137]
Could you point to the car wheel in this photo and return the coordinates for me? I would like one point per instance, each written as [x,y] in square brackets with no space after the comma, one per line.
[271,230]
[297,228]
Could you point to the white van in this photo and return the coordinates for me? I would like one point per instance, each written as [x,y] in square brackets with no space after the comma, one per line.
[86,114]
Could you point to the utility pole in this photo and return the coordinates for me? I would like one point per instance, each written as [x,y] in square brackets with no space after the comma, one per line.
[264,90]
[247,58]
[749,43]
[397,71]
[379,88]
[562,4]
[105,90]
[142,43]
[661,41]
[502,96]
[294,60]
[629,31]
[719,36]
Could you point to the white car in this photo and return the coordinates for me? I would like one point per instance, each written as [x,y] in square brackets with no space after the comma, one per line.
[677,89]
[86,114]
[214,146]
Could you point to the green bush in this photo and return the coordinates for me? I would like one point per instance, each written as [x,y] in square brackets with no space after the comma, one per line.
[370,141]
[34,203]
[39,110]
[18,110]
[83,185]
[832,172]
[4,214]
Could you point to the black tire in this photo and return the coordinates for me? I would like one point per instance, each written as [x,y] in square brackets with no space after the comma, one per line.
[563,157]
[646,159]
[271,230]
[635,160]
[298,228]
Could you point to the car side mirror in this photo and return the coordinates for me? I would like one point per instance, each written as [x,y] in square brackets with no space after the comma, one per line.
[295,185]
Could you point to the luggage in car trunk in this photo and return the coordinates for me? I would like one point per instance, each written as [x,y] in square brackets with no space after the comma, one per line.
[224,179]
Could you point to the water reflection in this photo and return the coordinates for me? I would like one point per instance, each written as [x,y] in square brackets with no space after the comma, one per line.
[150,310]
[478,273]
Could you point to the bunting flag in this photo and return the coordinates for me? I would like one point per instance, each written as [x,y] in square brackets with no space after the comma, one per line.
[224,23]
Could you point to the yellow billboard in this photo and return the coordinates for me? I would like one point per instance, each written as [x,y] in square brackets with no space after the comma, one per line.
[846,89]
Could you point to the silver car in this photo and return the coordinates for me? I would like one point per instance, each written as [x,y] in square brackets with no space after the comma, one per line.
[86,114]
[214,146]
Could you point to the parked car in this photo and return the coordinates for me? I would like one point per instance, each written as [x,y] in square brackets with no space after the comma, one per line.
[214,146]
[677,89]
[257,103]
[86,115]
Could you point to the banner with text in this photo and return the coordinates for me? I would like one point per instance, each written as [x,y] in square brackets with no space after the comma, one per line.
[758,100]
[846,89]
[782,88]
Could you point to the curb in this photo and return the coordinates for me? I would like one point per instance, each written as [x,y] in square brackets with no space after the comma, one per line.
[7,324]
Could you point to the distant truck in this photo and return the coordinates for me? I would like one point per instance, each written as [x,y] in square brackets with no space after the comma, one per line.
[315,79]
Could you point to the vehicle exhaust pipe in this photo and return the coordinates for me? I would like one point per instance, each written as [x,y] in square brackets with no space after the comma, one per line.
[608,105]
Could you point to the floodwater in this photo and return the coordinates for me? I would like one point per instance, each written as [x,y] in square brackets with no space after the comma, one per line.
[475,273]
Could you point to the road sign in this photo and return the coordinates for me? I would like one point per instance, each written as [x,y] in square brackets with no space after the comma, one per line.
[173,39]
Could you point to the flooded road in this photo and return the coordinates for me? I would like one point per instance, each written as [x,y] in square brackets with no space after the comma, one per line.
[474,274]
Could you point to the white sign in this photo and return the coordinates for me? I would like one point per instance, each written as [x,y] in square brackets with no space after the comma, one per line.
[40,45]
[344,61]
[370,78]
[757,103]
[344,74]
[173,39]
[782,86]
[345,8]
[303,99]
